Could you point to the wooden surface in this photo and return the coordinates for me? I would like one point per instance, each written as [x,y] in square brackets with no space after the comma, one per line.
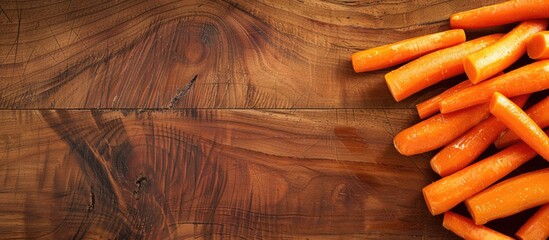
[208,119]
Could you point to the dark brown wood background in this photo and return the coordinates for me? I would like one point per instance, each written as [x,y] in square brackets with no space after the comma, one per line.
[208,119]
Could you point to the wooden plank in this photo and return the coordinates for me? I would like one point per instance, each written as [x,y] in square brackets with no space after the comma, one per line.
[204,54]
[173,148]
[210,173]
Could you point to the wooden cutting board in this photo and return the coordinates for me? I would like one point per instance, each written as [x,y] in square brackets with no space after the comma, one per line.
[209,119]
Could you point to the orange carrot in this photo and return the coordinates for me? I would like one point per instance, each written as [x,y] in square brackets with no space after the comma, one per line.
[510,196]
[493,59]
[438,130]
[433,67]
[465,149]
[467,229]
[430,107]
[528,79]
[500,14]
[539,113]
[519,122]
[538,46]
[405,50]
[537,227]
[451,190]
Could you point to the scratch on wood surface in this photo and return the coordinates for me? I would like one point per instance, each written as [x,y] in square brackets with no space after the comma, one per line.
[181,93]
[84,44]
[26,64]
[17,39]
[7,55]
[4,12]
[57,41]
[388,122]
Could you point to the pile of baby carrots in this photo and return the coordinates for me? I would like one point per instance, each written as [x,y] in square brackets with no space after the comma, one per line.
[487,108]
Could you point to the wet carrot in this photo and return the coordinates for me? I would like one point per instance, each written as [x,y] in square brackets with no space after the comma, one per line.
[537,226]
[538,46]
[405,50]
[538,112]
[493,59]
[510,196]
[465,149]
[519,122]
[438,130]
[449,191]
[433,67]
[429,107]
[527,79]
[467,229]
[500,14]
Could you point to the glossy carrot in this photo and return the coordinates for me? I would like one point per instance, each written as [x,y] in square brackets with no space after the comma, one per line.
[465,149]
[519,122]
[467,229]
[539,112]
[511,196]
[438,130]
[527,79]
[433,67]
[500,14]
[493,59]
[451,190]
[405,50]
[537,226]
[429,107]
[538,46]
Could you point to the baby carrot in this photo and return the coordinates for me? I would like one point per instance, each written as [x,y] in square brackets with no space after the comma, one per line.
[433,67]
[538,46]
[465,149]
[511,196]
[527,79]
[539,113]
[405,50]
[438,130]
[467,229]
[519,122]
[493,59]
[537,227]
[451,190]
[430,107]
[500,14]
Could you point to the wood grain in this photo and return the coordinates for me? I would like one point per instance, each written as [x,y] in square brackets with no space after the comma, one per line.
[210,119]
[244,54]
[209,173]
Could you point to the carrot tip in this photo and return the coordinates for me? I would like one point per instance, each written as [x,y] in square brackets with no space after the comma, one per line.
[471,71]
[537,46]
[428,202]
[435,167]
[473,213]
[355,61]
[399,148]
[394,88]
